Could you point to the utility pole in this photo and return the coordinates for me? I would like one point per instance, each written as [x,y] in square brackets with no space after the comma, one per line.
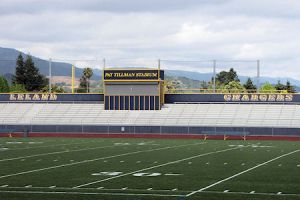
[258,76]
[50,75]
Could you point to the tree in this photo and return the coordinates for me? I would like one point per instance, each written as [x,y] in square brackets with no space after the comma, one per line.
[17,88]
[4,87]
[233,87]
[85,80]
[34,81]
[225,77]
[54,88]
[19,77]
[280,87]
[290,88]
[267,88]
[88,73]
[249,86]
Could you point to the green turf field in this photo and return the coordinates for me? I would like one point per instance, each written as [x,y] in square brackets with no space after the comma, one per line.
[113,169]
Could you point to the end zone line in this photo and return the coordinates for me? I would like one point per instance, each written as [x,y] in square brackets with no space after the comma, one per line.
[96,159]
[157,166]
[91,193]
[57,152]
[240,173]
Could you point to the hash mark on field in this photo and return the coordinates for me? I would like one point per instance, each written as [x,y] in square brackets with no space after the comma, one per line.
[121,161]
[105,161]
[138,161]
[242,172]
[53,186]
[190,163]
[55,160]
[3,186]
[175,189]
[99,188]
[125,188]
[157,166]
[207,163]
[97,159]
[149,189]
[28,186]
[226,190]
[225,163]
[252,192]
[279,192]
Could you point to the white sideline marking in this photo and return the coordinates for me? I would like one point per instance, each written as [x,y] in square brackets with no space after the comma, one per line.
[96,159]
[242,172]
[91,193]
[57,152]
[150,189]
[156,166]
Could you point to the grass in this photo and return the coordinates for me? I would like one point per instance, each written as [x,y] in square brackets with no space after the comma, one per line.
[110,169]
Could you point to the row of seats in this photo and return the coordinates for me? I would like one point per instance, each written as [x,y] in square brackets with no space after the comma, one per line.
[263,115]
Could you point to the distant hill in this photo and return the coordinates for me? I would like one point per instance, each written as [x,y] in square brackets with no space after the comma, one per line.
[8,63]
[8,58]
[207,77]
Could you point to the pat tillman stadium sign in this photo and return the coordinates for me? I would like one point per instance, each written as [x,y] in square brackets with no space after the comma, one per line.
[133,74]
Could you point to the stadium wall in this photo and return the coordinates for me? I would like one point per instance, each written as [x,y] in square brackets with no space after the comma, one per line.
[169,98]
[151,131]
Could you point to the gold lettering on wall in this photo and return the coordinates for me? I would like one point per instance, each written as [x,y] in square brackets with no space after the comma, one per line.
[32,97]
[259,97]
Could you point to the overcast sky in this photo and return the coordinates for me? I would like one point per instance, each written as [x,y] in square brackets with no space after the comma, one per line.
[145,30]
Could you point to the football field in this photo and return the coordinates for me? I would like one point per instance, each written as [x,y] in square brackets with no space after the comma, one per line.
[113,169]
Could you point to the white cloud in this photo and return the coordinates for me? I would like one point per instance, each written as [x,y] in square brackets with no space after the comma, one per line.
[123,31]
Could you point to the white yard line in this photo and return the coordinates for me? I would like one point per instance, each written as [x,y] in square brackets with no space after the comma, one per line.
[96,159]
[156,166]
[240,173]
[57,152]
[91,193]
[54,145]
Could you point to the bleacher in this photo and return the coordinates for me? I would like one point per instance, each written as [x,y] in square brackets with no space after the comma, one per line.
[231,115]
